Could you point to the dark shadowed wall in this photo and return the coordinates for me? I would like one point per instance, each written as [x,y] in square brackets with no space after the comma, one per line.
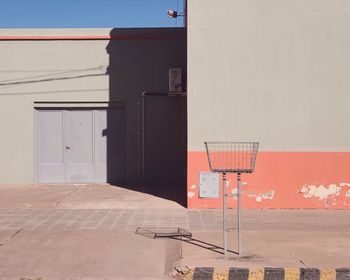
[155,145]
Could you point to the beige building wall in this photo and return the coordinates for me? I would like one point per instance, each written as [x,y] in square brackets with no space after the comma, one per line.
[276,72]
[270,71]
[32,71]
[62,66]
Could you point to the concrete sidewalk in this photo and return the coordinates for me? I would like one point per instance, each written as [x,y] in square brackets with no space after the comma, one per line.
[272,238]
[79,197]
[75,232]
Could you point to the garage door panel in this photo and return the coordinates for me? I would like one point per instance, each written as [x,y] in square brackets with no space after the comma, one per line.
[49,150]
[80,173]
[51,174]
[79,137]
[100,129]
[79,146]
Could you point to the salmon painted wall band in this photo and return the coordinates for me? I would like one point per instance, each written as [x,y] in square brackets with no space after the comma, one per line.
[299,180]
[106,37]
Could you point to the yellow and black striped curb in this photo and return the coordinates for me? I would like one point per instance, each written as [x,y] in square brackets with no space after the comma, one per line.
[209,273]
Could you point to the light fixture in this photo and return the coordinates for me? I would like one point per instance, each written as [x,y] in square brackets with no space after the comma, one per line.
[172,13]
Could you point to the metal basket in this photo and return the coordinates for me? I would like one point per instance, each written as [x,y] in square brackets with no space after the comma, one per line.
[232,157]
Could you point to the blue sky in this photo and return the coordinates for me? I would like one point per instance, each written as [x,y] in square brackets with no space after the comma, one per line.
[87,13]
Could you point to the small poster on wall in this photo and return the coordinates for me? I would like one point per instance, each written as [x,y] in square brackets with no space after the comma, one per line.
[175,80]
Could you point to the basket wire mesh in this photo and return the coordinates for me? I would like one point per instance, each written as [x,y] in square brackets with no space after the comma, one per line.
[232,157]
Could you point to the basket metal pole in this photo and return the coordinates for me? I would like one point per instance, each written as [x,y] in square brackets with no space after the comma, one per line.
[224,212]
[239,214]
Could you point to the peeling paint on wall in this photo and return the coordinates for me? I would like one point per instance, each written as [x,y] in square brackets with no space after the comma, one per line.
[235,193]
[251,195]
[347,194]
[320,192]
[262,196]
[190,194]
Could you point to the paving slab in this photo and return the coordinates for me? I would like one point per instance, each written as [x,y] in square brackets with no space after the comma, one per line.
[269,249]
[84,253]
[102,196]
[92,219]
[270,238]
[32,196]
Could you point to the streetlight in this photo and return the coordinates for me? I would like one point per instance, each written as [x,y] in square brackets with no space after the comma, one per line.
[174,14]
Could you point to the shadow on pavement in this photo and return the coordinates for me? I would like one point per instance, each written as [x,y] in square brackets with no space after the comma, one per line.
[204,245]
[180,235]
[170,190]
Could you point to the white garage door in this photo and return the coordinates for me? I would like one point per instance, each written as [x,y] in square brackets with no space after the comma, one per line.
[71,145]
